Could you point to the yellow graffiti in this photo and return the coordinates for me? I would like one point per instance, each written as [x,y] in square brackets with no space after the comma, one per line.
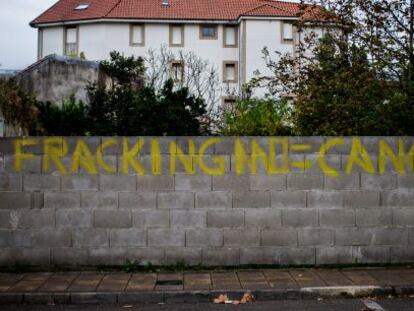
[270,156]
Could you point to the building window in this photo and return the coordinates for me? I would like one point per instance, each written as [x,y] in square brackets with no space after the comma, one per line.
[208,32]
[287,31]
[137,35]
[177,71]
[230,38]
[177,35]
[229,102]
[230,72]
[82,7]
[71,41]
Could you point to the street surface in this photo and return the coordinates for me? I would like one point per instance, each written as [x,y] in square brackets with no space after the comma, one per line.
[303,305]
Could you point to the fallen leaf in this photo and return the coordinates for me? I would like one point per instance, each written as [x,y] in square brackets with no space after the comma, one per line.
[127,306]
[221,299]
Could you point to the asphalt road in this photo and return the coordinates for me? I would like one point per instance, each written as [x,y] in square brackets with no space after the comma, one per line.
[325,305]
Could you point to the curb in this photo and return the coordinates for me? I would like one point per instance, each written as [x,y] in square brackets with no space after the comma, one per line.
[154,297]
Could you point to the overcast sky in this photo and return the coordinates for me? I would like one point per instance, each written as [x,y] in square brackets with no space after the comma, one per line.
[18,41]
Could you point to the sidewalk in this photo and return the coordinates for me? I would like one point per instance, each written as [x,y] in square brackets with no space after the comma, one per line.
[126,288]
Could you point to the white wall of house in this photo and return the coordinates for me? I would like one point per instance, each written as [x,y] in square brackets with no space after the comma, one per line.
[52,41]
[97,40]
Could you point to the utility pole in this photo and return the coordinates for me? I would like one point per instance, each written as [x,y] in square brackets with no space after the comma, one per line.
[411,56]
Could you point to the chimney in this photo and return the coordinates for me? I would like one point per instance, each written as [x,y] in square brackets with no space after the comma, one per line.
[165,3]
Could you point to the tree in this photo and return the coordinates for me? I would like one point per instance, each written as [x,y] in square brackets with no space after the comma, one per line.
[68,120]
[385,30]
[129,107]
[17,108]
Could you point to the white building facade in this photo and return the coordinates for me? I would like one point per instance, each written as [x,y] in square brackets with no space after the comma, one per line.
[233,47]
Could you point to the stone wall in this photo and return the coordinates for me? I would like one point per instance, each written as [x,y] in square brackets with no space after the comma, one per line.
[56,78]
[214,201]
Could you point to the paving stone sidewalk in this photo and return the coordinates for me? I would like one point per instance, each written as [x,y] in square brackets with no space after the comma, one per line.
[117,287]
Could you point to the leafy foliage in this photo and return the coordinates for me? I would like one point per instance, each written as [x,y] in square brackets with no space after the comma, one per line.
[256,117]
[17,108]
[70,119]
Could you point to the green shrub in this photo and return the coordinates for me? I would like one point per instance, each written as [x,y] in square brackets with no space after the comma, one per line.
[256,117]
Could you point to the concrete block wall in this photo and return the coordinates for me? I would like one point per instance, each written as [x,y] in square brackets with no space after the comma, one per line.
[307,213]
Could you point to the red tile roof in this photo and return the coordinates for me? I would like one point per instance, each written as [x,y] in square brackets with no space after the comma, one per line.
[64,10]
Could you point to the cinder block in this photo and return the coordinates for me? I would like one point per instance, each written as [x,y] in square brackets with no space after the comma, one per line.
[251,199]
[221,256]
[69,256]
[54,170]
[403,217]
[334,218]
[166,237]
[115,256]
[11,182]
[145,255]
[74,218]
[204,237]
[90,238]
[151,218]
[51,238]
[267,182]
[402,254]
[397,198]
[334,255]
[210,161]
[231,183]
[117,183]
[226,146]
[25,256]
[333,161]
[316,237]
[325,199]
[32,166]
[92,142]
[313,144]
[357,169]
[343,182]
[36,218]
[190,256]
[371,254]
[38,200]
[354,236]
[260,168]
[193,182]
[300,218]
[7,145]
[155,183]
[112,219]
[188,219]
[241,237]
[304,181]
[176,200]
[127,237]
[5,238]
[214,199]
[225,219]
[361,199]
[80,182]
[62,200]
[263,218]
[373,217]
[258,256]
[288,199]
[37,182]
[106,200]
[390,236]
[138,200]
[295,256]
[280,237]
[378,182]
[5,219]
[404,182]
[15,200]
